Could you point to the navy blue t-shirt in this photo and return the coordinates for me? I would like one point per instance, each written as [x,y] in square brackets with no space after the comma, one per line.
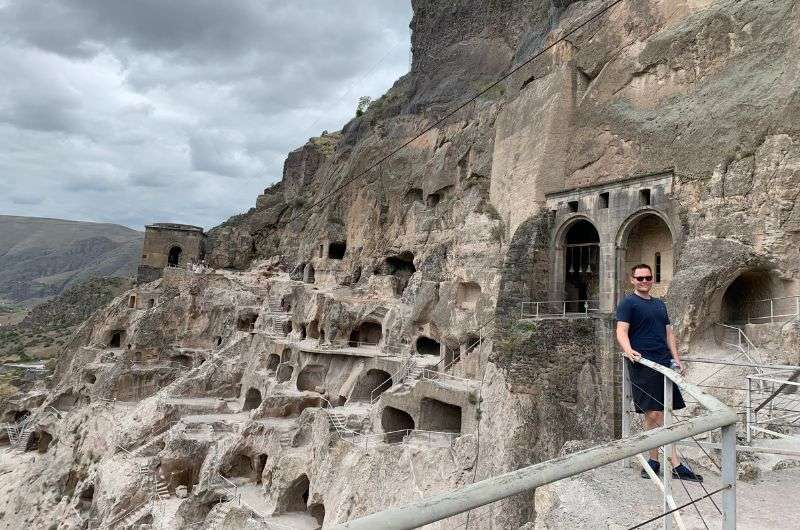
[648,321]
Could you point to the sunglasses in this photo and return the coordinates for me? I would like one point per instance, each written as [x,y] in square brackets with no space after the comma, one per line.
[643,278]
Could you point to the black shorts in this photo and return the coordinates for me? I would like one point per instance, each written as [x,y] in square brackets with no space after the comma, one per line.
[647,389]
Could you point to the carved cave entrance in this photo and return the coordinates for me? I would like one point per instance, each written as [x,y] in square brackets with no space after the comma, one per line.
[366,334]
[374,380]
[252,399]
[438,416]
[396,423]
[747,299]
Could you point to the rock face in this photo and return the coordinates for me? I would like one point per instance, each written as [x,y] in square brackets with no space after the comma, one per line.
[373,320]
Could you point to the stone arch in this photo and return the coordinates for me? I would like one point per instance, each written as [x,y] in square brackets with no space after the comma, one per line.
[246,320]
[174,256]
[284,373]
[309,275]
[273,360]
[396,422]
[261,463]
[439,416]
[746,298]
[337,249]
[312,377]
[367,333]
[427,346]
[577,262]
[372,381]
[295,497]
[640,238]
[116,338]
[239,466]
[252,399]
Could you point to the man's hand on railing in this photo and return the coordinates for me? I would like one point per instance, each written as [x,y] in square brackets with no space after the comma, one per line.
[633,355]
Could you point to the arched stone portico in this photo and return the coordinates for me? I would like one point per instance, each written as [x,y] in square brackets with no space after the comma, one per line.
[616,211]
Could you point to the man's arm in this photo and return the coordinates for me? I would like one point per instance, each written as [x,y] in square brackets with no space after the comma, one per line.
[673,348]
[625,343]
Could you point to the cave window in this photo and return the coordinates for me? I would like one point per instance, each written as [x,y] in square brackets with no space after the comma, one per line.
[313,330]
[433,200]
[572,206]
[246,321]
[371,385]
[311,378]
[366,334]
[321,250]
[427,346]
[218,340]
[240,466]
[43,441]
[438,416]
[748,299]
[86,497]
[284,373]
[132,301]
[273,361]
[174,257]
[252,399]
[151,303]
[402,268]
[644,197]
[184,360]
[337,249]
[467,295]
[116,339]
[603,201]
[413,195]
[658,267]
[396,424]
[286,355]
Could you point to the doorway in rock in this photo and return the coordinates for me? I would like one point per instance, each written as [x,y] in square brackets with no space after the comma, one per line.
[581,265]
[174,257]
[253,399]
[750,298]
[396,423]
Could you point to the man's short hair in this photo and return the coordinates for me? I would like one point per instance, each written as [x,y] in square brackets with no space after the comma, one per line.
[641,266]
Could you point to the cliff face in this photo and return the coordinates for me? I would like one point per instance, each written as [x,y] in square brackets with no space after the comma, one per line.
[269,369]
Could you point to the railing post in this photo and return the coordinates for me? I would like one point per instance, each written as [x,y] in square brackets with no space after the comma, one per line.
[729,477]
[749,411]
[771,312]
[537,309]
[626,415]
[564,308]
[666,455]
[797,306]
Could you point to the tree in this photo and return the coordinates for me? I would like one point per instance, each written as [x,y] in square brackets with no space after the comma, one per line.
[363,104]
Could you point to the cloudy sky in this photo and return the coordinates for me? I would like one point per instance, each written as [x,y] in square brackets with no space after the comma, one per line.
[135,111]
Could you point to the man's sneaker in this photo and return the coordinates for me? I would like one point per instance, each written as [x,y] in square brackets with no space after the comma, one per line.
[684,473]
[654,465]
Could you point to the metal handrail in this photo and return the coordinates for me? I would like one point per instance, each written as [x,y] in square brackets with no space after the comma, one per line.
[740,344]
[772,316]
[500,487]
[394,379]
[537,304]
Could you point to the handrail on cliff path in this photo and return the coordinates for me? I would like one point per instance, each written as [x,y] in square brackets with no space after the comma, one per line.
[444,505]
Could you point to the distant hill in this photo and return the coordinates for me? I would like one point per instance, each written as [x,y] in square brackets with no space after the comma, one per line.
[40,258]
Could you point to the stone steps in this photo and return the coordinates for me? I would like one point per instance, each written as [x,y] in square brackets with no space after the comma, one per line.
[218,520]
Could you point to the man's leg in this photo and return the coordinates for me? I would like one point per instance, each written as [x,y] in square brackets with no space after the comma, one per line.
[652,420]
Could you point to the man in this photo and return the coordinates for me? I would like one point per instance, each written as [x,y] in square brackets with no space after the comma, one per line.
[644,330]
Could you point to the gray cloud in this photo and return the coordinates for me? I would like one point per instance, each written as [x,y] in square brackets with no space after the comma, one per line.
[117,111]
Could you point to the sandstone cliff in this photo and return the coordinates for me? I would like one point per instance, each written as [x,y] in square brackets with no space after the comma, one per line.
[360,341]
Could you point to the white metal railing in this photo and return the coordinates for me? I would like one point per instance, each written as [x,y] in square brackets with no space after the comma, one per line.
[396,378]
[558,308]
[399,437]
[387,350]
[717,415]
[771,309]
[741,343]
[789,412]
[231,488]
